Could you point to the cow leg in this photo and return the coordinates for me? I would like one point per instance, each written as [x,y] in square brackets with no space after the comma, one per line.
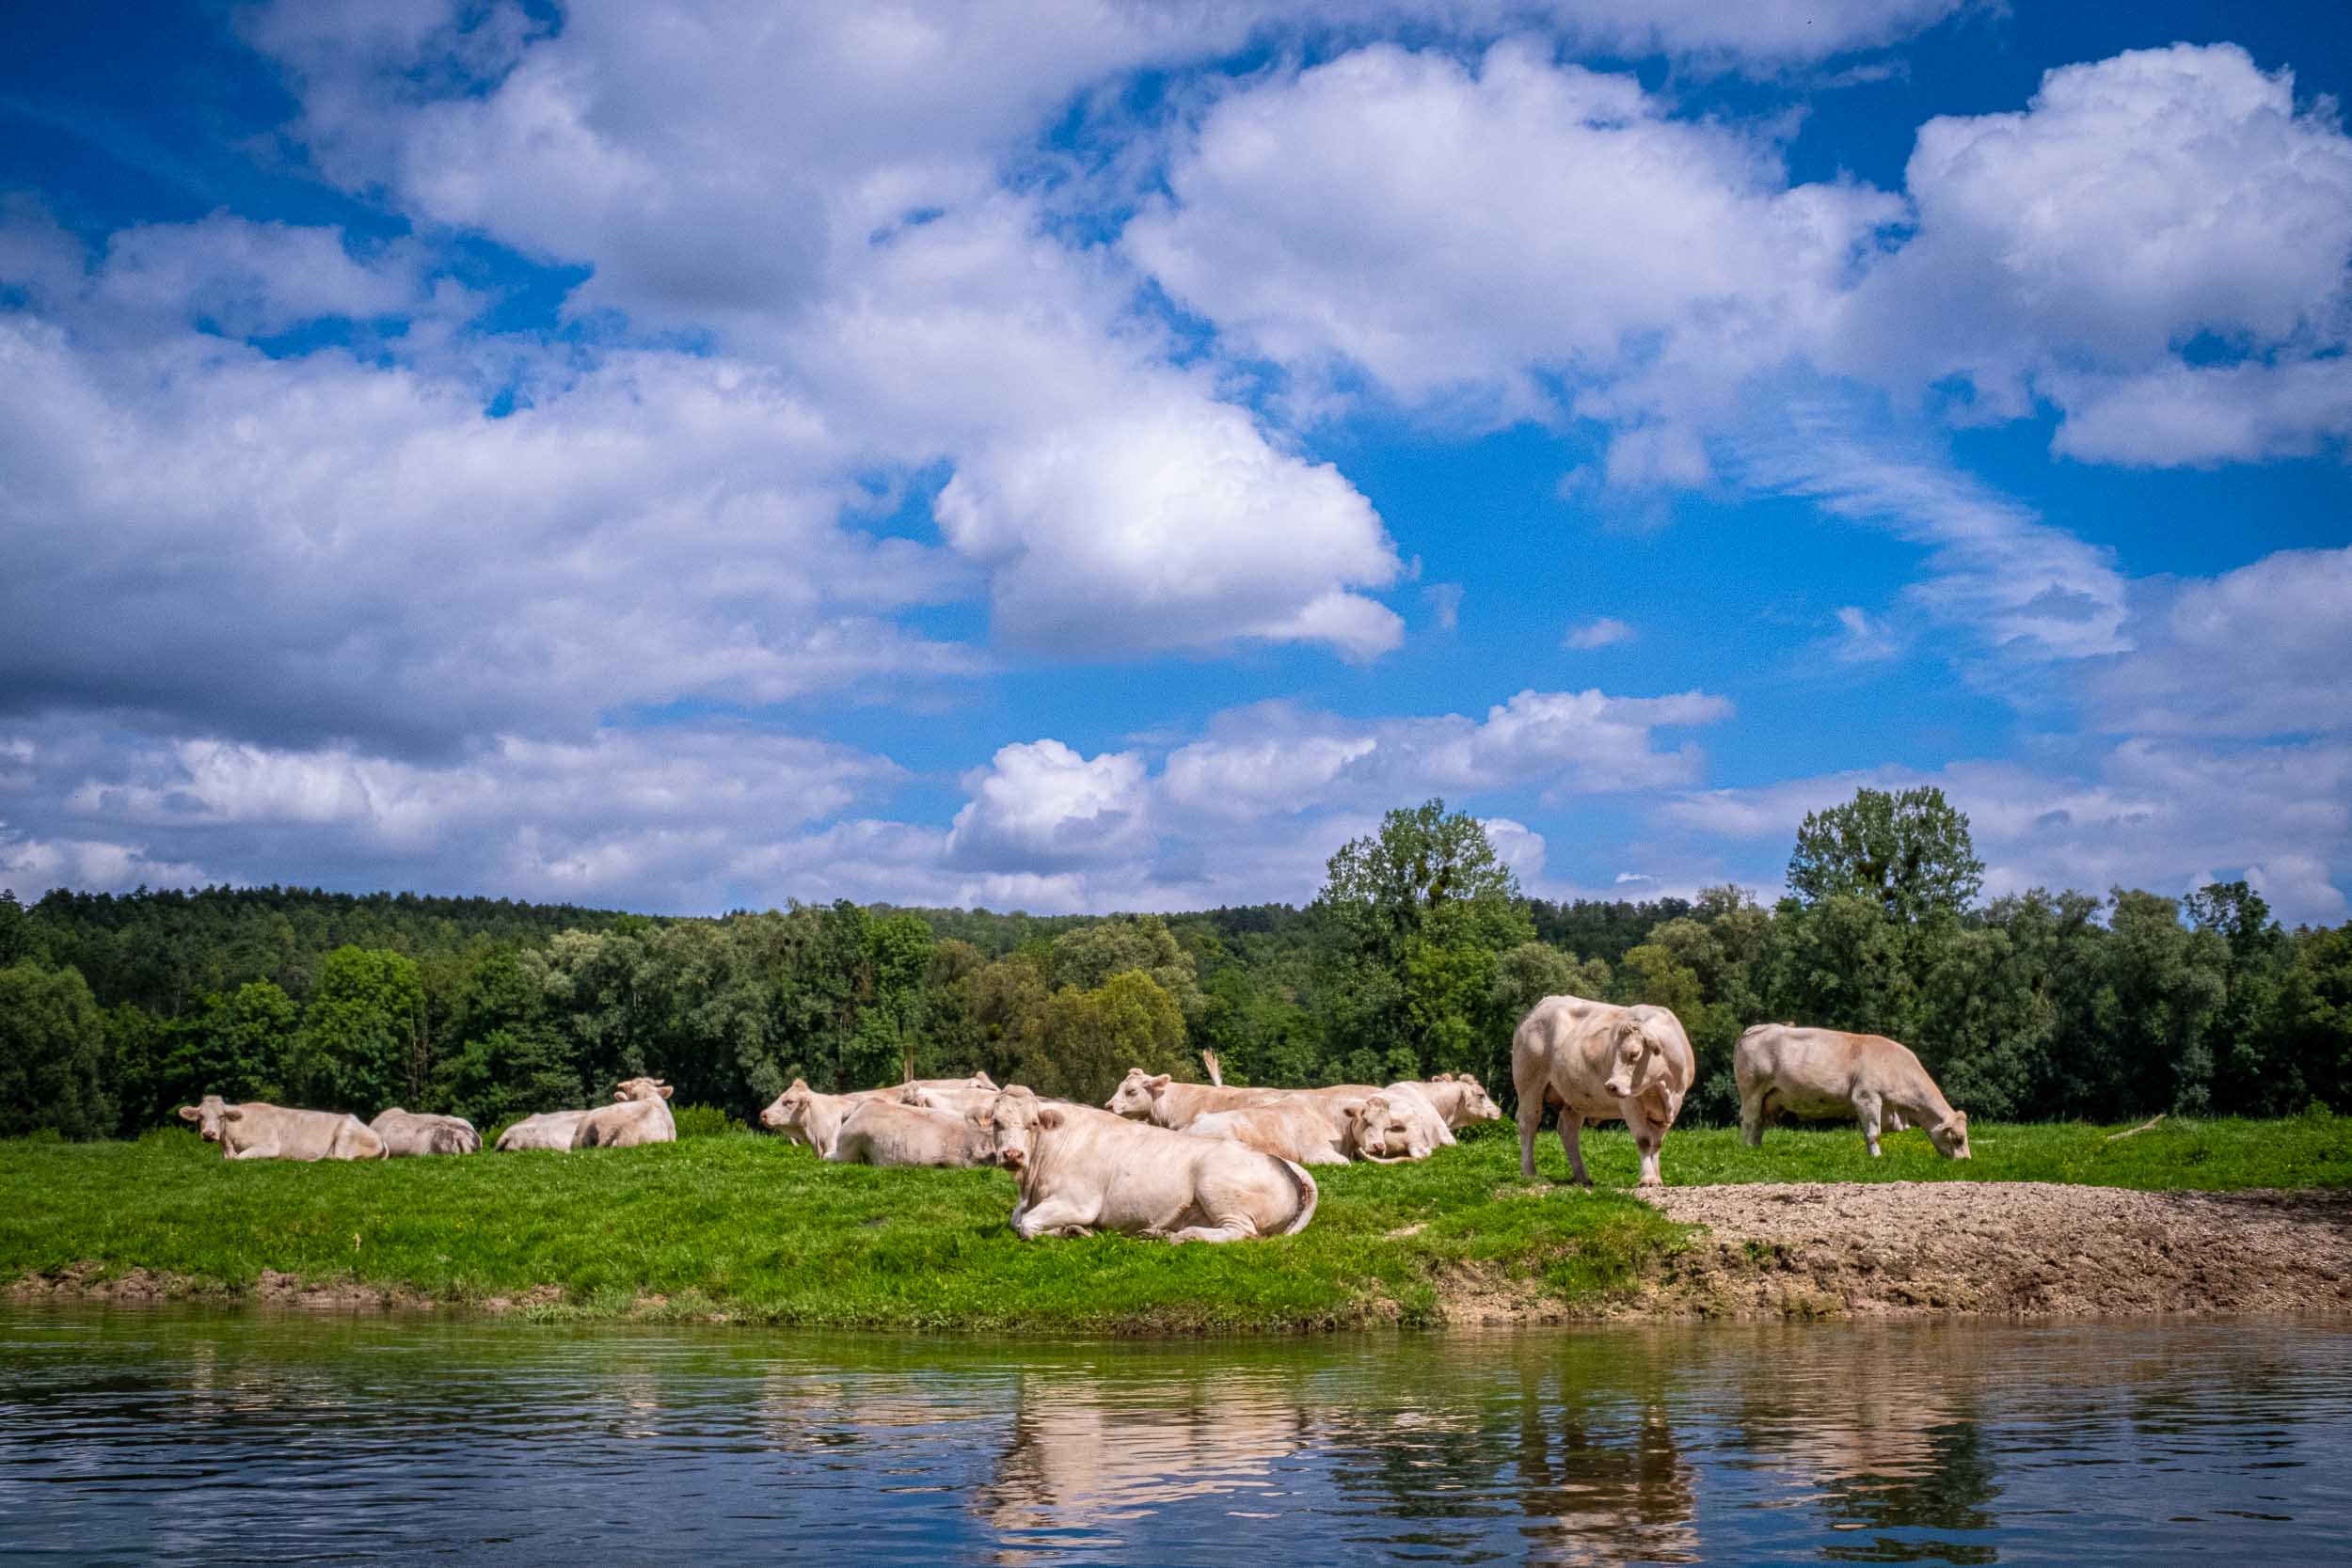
[1867,1107]
[1229,1228]
[1752,1118]
[1571,1139]
[1649,1137]
[1531,1123]
[256,1152]
[1054,1215]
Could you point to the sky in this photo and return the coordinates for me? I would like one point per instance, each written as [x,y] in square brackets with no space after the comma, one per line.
[1085,455]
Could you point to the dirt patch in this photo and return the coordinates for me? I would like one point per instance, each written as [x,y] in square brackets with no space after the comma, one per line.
[88,1282]
[2006,1249]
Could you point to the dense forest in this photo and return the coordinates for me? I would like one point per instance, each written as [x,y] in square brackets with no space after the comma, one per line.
[1419,955]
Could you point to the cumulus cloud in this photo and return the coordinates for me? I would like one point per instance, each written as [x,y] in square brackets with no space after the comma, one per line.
[1444,226]
[2076,246]
[1044,805]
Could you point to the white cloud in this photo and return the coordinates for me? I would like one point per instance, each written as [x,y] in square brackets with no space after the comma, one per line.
[1447,228]
[2182,416]
[1041,805]
[1866,640]
[2076,245]
[1599,633]
[2263,650]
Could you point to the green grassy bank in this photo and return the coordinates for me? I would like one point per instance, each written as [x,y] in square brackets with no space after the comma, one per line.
[743,1227]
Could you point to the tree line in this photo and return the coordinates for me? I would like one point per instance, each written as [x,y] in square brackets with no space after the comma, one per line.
[1419,955]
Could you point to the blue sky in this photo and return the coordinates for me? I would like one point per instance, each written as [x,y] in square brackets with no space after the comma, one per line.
[1078,455]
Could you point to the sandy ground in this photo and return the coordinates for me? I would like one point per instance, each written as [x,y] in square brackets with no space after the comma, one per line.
[2008,1249]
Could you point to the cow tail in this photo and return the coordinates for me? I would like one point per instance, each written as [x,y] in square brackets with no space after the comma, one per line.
[1307,1196]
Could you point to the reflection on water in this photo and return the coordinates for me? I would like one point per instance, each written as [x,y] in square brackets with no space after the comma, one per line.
[172,1436]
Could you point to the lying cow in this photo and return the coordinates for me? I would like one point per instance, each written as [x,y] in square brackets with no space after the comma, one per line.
[1460,1100]
[1161,1101]
[958,1097]
[1081,1170]
[1600,1063]
[1298,1130]
[548,1129]
[1396,1124]
[877,1130]
[256,1131]
[1818,1073]
[410,1133]
[640,1114]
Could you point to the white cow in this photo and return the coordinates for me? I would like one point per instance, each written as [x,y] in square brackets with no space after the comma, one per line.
[1460,1098]
[1083,1170]
[547,1129]
[640,1114]
[1818,1074]
[255,1129]
[1600,1063]
[1300,1130]
[413,1132]
[1396,1124]
[1161,1101]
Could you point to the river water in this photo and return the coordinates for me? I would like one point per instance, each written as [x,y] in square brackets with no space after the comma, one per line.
[155,1436]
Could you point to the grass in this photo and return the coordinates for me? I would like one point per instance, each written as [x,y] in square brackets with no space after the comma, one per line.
[742,1226]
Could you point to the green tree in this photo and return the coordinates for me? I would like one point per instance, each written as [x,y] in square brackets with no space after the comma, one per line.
[2314,1054]
[54,1069]
[1090,954]
[2244,1079]
[234,1044]
[1909,851]
[16,930]
[2166,982]
[1092,1038]
[358,1049]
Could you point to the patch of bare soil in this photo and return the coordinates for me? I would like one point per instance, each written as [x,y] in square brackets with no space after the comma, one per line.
[88,1282]
[2004,1249]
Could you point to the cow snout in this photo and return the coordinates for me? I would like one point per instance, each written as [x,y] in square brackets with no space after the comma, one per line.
[1617,1088]
[1011,1158]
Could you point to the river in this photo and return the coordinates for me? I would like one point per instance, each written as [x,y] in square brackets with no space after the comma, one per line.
[173,1435]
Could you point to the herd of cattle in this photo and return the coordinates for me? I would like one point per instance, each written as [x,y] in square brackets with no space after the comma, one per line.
[1193,1161]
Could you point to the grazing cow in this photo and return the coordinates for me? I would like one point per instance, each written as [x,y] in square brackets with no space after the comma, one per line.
[1818,1074]
[1299,1129]
[1396,1124]
[640,1114]
[1460,1100]
[1600,1063]
[547,1129]
[1082,1170]
[410,1133]
[256,1131]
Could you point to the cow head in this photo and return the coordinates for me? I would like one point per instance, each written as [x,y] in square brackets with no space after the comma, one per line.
[980,1081]
[642,1088]
[1636,1060]
[790,1108]
[1475,1105]
[1384,1129]
[209,1113]
[1133,1095]
[1013,1122]
[1950,1136]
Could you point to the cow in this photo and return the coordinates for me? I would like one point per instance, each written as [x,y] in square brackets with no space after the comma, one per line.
[410,1133]
[547,1129]
[888,1133]
[1300,1131]
[959,1096]
[256,1131]
[1081,1170]
[803,1115]
[1600,1063]
[1818,1074]
[1396,1124]
[1161,1101]
[1460,1100]
[640,1114]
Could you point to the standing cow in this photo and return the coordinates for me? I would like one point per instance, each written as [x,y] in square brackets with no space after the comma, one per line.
[1600,1063]
[1819,1073]
[258,1131]
[640,1114]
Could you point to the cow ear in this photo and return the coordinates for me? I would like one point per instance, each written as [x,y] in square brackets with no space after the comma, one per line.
[1049,1116]
[665,1091]
[800,1086]
[189,1113]
[1158,1081]
[982,1081]
[618,1095]
[233,1113]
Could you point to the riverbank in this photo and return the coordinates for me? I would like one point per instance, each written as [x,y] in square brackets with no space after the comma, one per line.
[741,1228]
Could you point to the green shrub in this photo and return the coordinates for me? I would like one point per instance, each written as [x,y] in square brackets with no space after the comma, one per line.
[703,1121]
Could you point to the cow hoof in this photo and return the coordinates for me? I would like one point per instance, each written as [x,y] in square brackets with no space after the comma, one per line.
[1650,1181]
